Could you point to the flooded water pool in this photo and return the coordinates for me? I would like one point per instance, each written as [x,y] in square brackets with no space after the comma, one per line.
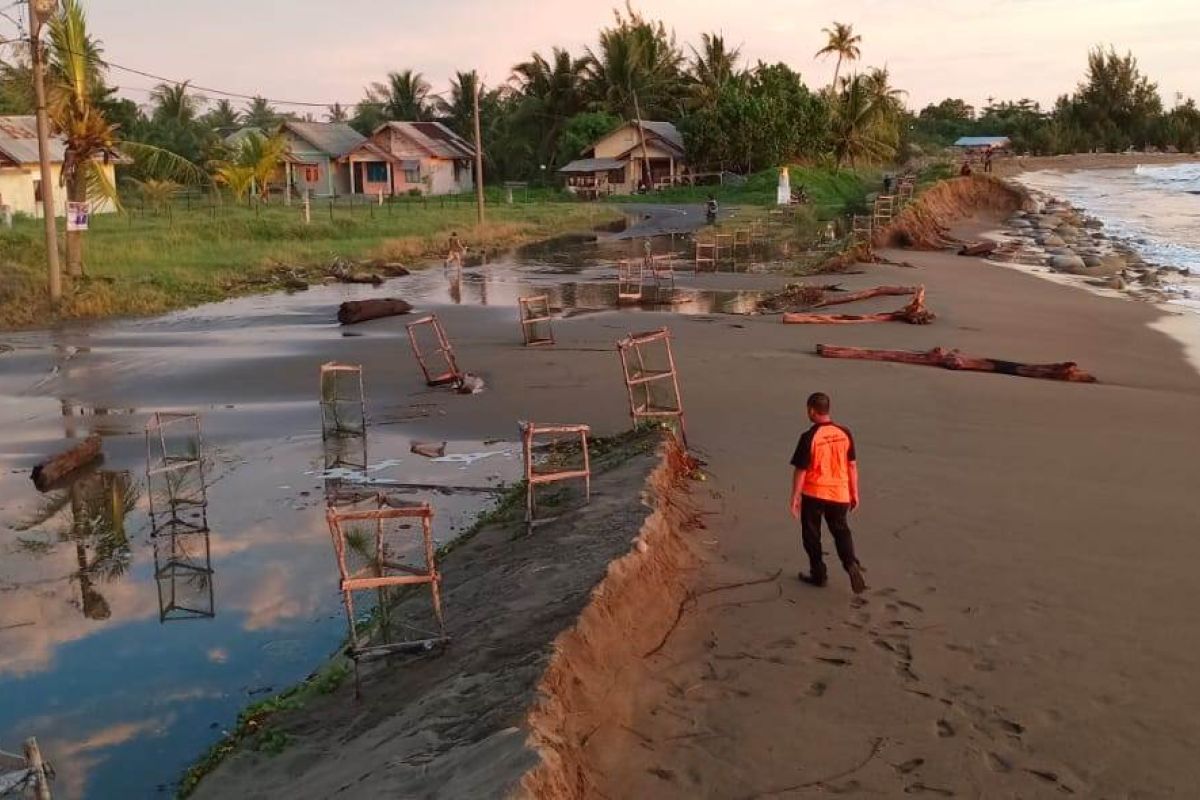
[128,652]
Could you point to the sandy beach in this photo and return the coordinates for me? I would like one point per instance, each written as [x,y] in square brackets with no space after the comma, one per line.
[1027,631]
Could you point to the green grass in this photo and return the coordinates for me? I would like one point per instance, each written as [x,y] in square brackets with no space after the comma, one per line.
[831,192]
[140,262]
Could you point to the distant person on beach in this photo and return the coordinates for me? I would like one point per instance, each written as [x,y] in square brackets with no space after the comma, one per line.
[966,167]
[455,250]
[987,161]
[825,484]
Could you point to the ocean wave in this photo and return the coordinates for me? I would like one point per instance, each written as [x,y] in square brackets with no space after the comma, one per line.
[1184,177]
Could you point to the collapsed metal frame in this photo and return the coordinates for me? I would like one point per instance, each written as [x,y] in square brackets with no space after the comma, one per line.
[452,376]
[529,433]
[332,375]
[724,242]
[662,269]
[639,379]
[861,229]
[173,471]
[183,560]
[383,572]
[535,310]
[179,526]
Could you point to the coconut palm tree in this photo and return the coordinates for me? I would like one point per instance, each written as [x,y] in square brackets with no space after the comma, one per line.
[336,113]
[551,93]
[860,129]
[636,67]
[75,89]
[156,193]
[843,42]
[223,117]
[253,164]
[404,96]
[172,101]
[261,114]
[458,112]
[713,66]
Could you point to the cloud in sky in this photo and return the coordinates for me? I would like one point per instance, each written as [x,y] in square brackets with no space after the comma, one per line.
[315,51]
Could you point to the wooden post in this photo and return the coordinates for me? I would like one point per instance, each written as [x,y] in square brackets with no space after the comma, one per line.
[307,209]
[41,783]
[478,155]
[642,135]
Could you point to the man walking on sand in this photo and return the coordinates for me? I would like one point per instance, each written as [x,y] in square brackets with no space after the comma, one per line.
[825,484]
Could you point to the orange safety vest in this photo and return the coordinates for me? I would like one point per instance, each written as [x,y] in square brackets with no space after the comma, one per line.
[824,452]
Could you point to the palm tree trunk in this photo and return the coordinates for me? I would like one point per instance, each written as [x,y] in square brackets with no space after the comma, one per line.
[76,193]
[836,69]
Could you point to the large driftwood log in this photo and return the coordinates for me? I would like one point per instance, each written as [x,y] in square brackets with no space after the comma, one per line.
[915,313]
[977,249]
[952,359]
[877,291]
[353,311]
[57,467]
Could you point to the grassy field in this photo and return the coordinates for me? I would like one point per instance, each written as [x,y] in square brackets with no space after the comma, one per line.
[141,262]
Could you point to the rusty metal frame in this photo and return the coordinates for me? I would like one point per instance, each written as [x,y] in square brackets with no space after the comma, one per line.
[638,378]
[529,433]
[724,243]
[885,206]
[861,229]
[533,311]
[332,424]
[706,253]
[452,375]
[662,269]
[741,238]
[386,573]
[183,556]
[630,274]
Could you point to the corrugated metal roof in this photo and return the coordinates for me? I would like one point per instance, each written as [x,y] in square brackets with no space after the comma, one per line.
[434,137]
[665,130]
[18,141]
[332,138]
[594,165]
[982,141]
[372,150]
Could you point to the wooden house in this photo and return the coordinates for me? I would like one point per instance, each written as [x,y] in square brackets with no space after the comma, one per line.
[632,157]
[426,157]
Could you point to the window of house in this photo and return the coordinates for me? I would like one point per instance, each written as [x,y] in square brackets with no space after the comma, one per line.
[412,172]
[312,174]
[37,191]
[376,172]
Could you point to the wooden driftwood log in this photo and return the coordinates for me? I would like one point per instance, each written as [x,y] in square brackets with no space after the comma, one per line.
[915,313]
[57,467]
[353,311]
[952,359]
[977,249]
[877,291]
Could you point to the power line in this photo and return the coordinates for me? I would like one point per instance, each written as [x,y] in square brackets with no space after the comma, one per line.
[219,92]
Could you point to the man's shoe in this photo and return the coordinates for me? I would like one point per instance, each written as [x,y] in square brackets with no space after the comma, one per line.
[857,582]
[817,579]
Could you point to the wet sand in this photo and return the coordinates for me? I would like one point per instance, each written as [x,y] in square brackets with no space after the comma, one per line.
[1030,547]
[1028,542]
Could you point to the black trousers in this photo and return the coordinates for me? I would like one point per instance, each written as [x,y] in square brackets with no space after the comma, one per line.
[812,509]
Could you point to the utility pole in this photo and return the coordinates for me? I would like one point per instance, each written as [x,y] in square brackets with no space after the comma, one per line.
[39,12]
[478,154]
[637,109]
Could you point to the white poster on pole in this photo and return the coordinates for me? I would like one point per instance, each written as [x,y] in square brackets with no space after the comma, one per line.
[783,196]
[77,216]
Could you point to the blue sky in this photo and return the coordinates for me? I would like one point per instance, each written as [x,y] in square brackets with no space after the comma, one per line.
[327,51]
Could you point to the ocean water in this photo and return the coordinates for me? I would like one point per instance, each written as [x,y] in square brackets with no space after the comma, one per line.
[1154,209]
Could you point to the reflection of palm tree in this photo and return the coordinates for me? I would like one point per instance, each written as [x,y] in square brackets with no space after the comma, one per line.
[99,505]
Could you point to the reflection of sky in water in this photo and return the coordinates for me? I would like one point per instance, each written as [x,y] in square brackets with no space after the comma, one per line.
[121,702]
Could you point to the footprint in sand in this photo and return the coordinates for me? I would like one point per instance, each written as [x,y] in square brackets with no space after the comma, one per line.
[837,662]
[1014,728]
[920,788]
[944,729]
[817,688]
[908,766]
[910,606]
[998,763]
